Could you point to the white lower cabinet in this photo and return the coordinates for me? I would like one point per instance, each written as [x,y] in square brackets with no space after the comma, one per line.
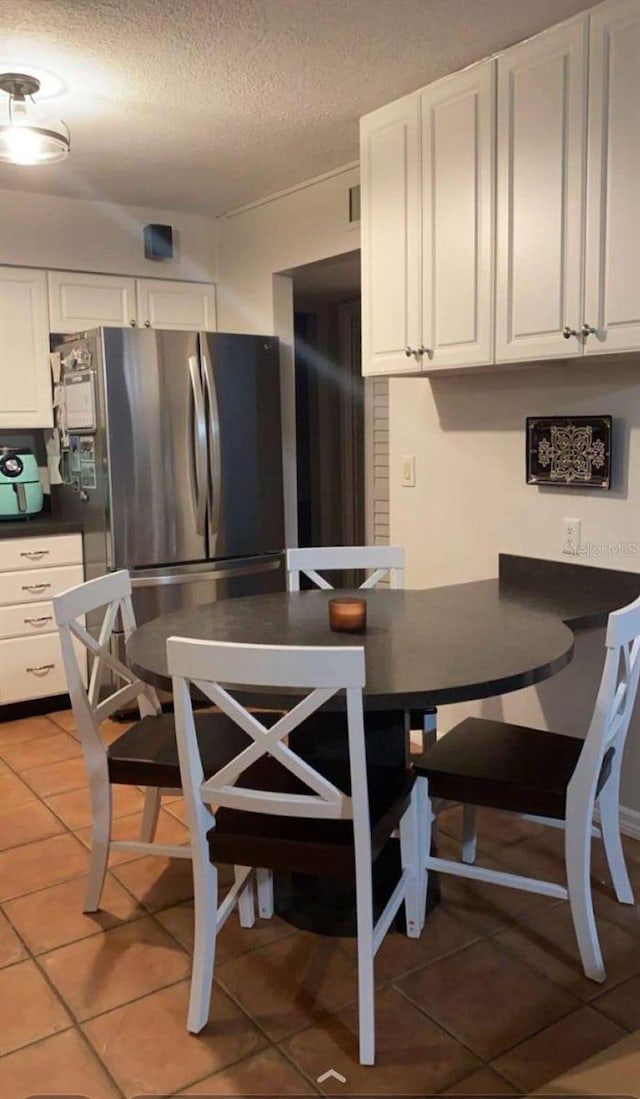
[30,657]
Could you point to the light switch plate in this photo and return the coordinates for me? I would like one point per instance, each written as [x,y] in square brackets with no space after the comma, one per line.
[409,471]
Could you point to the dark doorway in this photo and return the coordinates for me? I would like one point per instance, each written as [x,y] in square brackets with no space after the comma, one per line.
[329,402]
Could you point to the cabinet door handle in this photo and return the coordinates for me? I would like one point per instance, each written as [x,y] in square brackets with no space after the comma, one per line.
[147,324]
[38,622]
[34,555]
[35,589]
[568,332]
[589,330]
[41,670]
[409,351]
[428,351]
[132,323]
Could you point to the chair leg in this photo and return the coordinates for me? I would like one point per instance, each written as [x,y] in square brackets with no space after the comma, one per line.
[425,819]
[410,851]
[246,906]
[610,825]
[205,892]
[264,880]
[100,789]
[429,729]
[469,833]
[366,984]
[577,846]
[152,801]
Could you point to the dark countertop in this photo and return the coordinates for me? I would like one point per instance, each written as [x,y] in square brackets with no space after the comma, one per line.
[39,525]
[581,595]
[423,648]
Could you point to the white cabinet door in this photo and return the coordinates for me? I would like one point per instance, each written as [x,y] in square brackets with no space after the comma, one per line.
[458,138]
[25,376]
[542,100]
[612,265]
[186,305]
[78,301]
[390,226]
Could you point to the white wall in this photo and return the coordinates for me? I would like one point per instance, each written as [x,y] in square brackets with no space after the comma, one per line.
[254,246]
[471,502]
[73,234]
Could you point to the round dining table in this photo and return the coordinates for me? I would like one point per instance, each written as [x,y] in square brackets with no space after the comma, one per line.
[423,649]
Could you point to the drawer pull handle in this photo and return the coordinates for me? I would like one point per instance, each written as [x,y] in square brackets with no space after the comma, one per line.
[34,555]
[35,589]
[42,670]
[37,622]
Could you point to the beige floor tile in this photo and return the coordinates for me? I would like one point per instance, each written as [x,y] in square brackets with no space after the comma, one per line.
[14,792]
[56,778]
[265,1073]
[547,942]
[148,1050]
[413,1055]
[177,808]
[63,1065]
[558,1048]
[487,999]
[128,827]
[484,1081]
[74,806]
[27,728]
[63,718]
[53,917]
[37,865]
[622,1004]
[291,983]
[105,971]
[11,948]
[26,824]
[44,750]
[157,882]
[233,941]
[29,1009]
[443,934]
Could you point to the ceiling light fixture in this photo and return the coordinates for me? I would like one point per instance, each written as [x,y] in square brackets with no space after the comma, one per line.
[27,138]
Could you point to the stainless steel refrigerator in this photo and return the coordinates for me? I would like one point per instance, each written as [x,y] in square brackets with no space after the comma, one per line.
[176,475]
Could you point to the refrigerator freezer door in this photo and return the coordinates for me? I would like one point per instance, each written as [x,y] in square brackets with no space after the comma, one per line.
[242,389]
[157,447]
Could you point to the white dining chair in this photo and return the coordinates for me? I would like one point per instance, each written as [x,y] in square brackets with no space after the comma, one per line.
[145,754]
[275,810]
[313,560]
[554,778]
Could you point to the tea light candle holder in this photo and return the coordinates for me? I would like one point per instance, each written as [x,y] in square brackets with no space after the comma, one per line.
[348,614]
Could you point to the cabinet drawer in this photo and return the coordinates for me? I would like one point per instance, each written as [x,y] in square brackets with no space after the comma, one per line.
[40,553]
[31,667]
[37,585]
[26,620]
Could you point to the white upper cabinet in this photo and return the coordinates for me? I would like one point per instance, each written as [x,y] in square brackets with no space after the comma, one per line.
[25,376]
[185,305]
[540,163]
[458,218]
[390,219]
[78,301]
[612,270]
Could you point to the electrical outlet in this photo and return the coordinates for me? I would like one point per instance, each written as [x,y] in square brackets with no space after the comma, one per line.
[571,532]
[409,471]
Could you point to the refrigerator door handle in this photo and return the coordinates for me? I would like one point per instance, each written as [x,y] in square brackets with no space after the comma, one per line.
[215,475]
[199,447]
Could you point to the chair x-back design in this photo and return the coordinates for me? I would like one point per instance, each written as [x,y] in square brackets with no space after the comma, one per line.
[264,794]
[385,560]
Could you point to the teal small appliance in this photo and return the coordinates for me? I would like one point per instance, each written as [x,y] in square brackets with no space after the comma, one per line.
[20,488]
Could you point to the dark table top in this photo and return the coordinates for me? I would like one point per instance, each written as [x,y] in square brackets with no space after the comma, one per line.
[423,648]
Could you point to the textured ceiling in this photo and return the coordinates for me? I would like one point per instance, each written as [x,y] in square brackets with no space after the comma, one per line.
[205,105]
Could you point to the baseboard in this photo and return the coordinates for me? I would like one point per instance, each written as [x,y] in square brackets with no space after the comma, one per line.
[630,822]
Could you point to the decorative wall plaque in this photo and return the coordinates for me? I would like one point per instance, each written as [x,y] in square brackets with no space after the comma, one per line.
[569,451]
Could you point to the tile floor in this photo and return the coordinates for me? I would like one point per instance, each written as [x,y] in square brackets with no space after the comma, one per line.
[491,999]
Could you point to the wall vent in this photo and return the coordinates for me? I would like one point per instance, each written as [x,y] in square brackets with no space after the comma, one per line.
[354,204]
